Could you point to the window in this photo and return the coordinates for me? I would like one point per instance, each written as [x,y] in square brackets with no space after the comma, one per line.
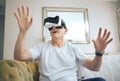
[76,20]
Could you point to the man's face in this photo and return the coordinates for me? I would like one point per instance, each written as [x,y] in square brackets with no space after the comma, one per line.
[57,32]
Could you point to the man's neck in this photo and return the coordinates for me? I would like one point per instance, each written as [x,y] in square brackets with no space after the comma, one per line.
[58,43]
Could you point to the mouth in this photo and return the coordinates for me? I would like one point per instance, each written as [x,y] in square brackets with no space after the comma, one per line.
[55,32]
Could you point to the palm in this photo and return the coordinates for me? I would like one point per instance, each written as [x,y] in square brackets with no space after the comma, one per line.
[23,19]
[102,41]
[24,23]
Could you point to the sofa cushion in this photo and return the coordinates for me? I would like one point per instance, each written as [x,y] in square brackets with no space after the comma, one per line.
[12,70]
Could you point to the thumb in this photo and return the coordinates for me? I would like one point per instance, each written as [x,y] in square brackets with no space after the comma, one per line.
[93,41]
[31,20]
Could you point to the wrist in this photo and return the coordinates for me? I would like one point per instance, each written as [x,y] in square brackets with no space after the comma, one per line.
[22,31]
[99,54]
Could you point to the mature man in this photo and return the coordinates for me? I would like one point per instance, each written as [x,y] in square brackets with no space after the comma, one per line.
[58,59]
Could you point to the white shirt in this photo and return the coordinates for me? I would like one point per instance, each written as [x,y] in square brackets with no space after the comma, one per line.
[58,64]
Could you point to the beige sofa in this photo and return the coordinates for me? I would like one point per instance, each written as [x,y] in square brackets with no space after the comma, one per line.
[11,70]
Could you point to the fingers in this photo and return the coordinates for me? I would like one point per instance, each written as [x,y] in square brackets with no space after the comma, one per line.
[105,36]
[93,42]
[21,12]
[99,33]
[27,11]
[105,31]
[31,20]
[109,40]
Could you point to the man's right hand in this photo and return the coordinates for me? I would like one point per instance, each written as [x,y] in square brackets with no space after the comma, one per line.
[23,18]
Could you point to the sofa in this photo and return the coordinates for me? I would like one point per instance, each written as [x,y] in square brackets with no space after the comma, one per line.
[12,70]
[110,69]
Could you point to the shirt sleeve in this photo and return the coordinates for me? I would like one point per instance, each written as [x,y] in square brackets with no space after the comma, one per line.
[35,52]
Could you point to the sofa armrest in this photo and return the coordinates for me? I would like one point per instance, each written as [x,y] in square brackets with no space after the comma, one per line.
[12,70]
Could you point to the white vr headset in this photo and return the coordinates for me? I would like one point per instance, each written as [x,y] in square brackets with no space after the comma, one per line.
[52,21]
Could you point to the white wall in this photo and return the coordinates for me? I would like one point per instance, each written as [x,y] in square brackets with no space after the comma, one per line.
[101,14]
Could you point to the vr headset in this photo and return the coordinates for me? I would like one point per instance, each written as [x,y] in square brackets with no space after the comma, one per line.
[56,21]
